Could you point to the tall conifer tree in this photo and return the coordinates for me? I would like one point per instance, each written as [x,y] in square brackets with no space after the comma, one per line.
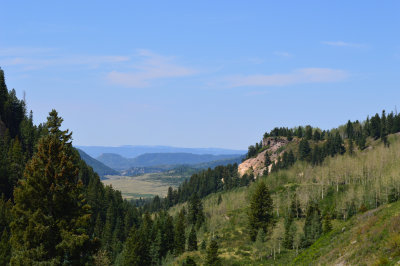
[52,213]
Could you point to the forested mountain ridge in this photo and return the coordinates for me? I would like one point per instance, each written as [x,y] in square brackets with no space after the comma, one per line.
[330,197]
[119,162]
[100,168]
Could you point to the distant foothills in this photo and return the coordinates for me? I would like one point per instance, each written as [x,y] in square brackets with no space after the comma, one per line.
[134,160]
[131,151]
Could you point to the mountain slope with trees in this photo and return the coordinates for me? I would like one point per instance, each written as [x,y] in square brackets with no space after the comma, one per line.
[330,197]
[100,168]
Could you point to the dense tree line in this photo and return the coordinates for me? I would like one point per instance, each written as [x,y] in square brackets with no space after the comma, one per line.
[201,184]
[54,209]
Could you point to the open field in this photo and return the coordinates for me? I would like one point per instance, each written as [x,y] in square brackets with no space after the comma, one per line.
[143,186]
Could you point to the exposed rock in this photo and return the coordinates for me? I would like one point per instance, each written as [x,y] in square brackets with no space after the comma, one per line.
[257,164]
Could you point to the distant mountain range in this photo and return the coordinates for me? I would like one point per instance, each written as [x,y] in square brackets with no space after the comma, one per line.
[119,162]
[130,151]
[100,168]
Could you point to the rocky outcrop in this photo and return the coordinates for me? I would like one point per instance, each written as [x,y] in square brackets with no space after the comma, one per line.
[256,165]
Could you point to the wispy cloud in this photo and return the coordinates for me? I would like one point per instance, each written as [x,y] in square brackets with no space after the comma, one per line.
[300,76]
[150,67]
[343,44]
[283,54]
[29,58]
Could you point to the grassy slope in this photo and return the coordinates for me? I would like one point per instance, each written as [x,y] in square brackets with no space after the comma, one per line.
[365,178]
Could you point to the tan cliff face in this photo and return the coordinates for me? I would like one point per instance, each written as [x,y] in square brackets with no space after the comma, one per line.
[257,164]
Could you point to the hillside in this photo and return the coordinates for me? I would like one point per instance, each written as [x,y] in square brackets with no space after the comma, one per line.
[355,190]
[168,160]
[100,168]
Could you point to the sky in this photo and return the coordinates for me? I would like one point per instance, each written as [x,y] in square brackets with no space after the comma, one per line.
[200,73]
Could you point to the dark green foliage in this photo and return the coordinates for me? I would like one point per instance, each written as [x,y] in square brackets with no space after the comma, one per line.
[219,199]
[203,245]
[52,213]
[192,240]
[393,195]
[260,212]
[180,239]
[3,93]
[304,150]
[349,130]
[195,211]
[312,225]
[317,135]
[137,248]
[189,261]
[5,248]
[295,208]
[375,127]
[212,254]
[290,231]
[327,225]
[317,156]
[308,134]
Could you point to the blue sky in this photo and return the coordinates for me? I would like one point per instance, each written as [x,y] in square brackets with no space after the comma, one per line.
[204,73]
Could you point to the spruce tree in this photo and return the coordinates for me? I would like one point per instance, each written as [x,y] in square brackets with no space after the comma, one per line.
[261,208]
[137,248]
[304,150]
[308,133]
[52,214]
[192,240]
[212,258]
[3,94]
[312,225]
[5,248]
[180,239]
[290,230]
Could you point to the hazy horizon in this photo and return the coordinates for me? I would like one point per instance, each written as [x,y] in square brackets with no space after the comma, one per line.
[206,74]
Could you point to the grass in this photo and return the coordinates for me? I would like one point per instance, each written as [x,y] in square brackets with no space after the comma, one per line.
[138,186]
[367,238]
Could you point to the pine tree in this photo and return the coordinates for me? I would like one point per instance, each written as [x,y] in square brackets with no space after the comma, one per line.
[15,163]
[312,225]
[180,239]
[52,213]
[137,248]
[203,245]
[5,248]
[192,240]
[261,208]
[304,150]
[349,130]
[212,258]
[155,249]
[290,230]
[3,94]
[308,133]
